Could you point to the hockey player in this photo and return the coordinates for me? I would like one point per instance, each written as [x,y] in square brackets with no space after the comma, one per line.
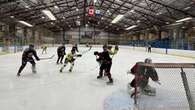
[27,57]
[113,51]
[149,48]
[44,49]
[75,47]
[61,52]
[105,63]
[70,58]
[141,80]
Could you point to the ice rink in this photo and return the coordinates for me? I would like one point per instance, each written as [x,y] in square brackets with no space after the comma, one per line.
[80,90]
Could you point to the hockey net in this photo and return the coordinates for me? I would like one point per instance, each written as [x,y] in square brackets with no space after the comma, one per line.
[176,91]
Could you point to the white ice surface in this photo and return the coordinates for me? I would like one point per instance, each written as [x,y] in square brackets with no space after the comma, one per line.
[79,90]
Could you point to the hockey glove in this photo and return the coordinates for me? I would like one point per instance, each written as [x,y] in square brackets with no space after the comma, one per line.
[96,53]
[79,55]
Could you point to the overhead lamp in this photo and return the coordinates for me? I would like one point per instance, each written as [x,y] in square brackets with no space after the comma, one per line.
[132,11]
[187,8]
[118,17]
[26,6]
[184,19]
[159,13]
[131,27]
[56,7]
[25,23]
[78,23]
[49,14]
[167,23]
[77,9]
[94,1]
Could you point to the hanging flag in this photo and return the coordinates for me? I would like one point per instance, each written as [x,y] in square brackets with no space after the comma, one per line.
[91,11]
[97,12]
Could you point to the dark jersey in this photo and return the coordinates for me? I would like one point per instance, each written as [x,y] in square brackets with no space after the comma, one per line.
[28,53]
[144,72]
[75,48]
[61,50]
[104,57]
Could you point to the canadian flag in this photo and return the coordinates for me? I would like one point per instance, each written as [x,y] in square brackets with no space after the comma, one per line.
[91,11]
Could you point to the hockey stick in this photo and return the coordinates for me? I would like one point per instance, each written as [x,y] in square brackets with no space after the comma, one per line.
[51,57]
[84,52]
[158,82]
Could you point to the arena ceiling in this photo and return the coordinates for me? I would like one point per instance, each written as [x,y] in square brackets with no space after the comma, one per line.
[69,14]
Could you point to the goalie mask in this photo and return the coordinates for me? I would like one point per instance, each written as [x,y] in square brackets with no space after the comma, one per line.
[148,60]
[31,46]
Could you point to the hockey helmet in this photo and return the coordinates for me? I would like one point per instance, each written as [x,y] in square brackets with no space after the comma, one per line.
[109,47]
[73,51]
[116,47]
[148,60]
[31,46]
[105,47]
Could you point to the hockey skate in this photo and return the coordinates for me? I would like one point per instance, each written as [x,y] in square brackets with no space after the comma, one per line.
[34,70]
[150,91]
[99,77]
[61,70]
[70,70]
[110,82]
[18,74]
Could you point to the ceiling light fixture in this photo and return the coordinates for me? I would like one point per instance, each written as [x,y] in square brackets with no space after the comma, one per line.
[56,7]
[49,14]
[131,27]
[187,8]
[132,11]
[117,18]
[25,23]
[184,19]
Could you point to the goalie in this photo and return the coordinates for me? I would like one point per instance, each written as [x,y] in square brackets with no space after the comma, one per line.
[70,58]
[141,80]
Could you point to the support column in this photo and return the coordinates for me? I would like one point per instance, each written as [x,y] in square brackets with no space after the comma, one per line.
[25,35]
[94,34]
[63,36]
[11,37]
[79,34]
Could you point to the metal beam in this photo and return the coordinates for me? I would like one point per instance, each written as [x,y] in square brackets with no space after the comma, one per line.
[181,11]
